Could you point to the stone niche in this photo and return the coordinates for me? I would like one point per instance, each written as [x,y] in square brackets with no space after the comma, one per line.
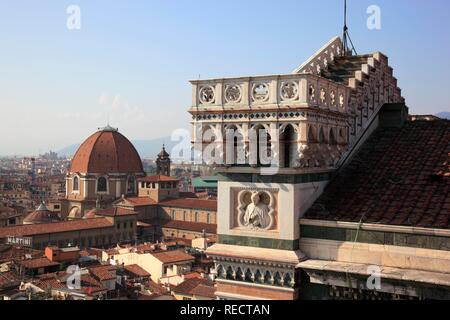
[255,210]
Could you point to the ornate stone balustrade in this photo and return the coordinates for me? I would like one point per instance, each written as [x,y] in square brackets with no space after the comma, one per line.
[270,92]
[322,58]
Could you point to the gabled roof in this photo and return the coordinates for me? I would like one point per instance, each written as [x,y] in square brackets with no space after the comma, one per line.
[137,270]
[196,286]
[103,272]
[173,256]
[401,176]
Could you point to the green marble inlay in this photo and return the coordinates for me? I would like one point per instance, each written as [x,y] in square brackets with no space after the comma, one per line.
[376,237]
[259,242]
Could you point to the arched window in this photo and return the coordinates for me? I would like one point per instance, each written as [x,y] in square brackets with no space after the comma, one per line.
[131,185]
[288,143]
[263,146]
[102,185]
[76,184]
[322,136]
[332,140]
[311,136]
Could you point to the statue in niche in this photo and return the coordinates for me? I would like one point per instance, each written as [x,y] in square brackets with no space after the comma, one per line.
[257,213]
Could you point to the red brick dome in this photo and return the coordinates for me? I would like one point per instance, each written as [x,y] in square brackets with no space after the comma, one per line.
[107,151]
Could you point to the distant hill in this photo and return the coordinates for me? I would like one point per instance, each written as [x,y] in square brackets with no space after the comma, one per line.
[443,115]
[146,148]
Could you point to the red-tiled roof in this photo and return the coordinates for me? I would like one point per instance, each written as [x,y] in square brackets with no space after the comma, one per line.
[203,290]
[41,217]
[9,279]
[196,286]
[38,263]
[190,203]
[89,285]
[401,176]
[115,212]
[103,273]
[173,256]
[190,226]
[51,283]
[137,270]
[158,178]
[107,151]
[31,230]
[9,253]
[141,201]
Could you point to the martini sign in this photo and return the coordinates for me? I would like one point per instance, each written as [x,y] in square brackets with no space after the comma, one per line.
[20,241]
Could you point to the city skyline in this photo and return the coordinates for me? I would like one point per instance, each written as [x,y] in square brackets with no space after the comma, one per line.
[131,64]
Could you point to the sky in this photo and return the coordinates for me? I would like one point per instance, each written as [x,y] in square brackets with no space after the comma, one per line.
[130,62]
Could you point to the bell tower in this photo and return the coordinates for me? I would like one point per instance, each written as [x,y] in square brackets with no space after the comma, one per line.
[276,141]
[163,163]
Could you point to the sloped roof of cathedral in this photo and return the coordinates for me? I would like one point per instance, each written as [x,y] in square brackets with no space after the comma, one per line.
[107,151]
[401,176]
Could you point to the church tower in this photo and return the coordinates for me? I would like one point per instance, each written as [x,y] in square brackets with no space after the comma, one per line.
[277,141]
[163,163]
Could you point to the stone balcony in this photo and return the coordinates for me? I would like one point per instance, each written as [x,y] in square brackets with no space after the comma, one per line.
[271,93]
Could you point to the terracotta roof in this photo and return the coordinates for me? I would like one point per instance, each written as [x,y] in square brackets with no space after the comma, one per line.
[190,226]
[114,212]
[141,201]
[9,279]
[107,151]
[181,241]
[401,176]
[35,229]
[51,283]
[38,263]
[158,178]
[196,286]
[203,290]
[190,203]
[173,256]
[9,252]
[103,273]
[137,270]
[89,285]
[41,215]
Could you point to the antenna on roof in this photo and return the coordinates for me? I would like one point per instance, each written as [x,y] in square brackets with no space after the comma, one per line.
[346,50]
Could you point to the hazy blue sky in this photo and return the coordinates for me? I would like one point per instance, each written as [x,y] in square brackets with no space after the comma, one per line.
[132,60]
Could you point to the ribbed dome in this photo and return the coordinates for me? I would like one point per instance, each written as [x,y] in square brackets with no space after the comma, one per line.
[107,151]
